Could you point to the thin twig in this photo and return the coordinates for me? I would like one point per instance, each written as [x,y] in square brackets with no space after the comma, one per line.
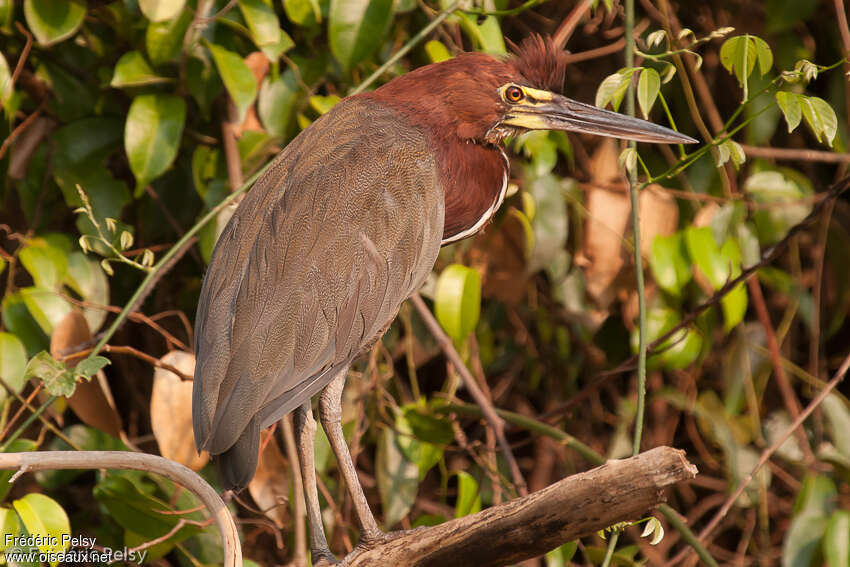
[767,453]
[568,26]
[796,154]
[118,349]
[487,409]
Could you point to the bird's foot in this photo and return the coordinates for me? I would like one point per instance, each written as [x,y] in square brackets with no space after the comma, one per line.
[324,559]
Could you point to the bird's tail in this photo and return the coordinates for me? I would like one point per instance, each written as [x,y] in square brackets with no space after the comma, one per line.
[238,464]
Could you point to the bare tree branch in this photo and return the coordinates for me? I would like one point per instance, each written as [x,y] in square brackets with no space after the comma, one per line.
[126,460]
[530,526]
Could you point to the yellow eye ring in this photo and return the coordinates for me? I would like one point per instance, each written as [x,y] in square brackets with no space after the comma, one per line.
[514,94]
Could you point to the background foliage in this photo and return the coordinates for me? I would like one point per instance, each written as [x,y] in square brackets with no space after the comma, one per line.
[125,122]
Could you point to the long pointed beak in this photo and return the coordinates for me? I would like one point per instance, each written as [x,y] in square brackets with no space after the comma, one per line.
[562,113]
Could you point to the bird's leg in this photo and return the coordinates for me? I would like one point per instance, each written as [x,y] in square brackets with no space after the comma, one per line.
[330,412]
[305,434]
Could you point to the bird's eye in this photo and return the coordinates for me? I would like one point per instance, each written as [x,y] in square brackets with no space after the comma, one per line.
[514,94]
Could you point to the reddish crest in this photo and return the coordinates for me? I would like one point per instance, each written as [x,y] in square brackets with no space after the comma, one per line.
[541,62]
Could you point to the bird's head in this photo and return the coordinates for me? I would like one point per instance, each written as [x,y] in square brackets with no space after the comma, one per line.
[483,99]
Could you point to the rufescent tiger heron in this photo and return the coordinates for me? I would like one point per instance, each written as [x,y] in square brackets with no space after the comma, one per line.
[343,227]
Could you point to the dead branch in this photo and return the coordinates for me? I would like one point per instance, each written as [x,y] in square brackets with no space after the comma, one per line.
[126,460]
[530,526]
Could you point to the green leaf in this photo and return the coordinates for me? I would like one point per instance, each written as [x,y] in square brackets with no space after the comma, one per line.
[7,14]
[72,98]
[47,307]
[5,80]
[203,83]
[677,352]
[163,40]
[416,450]
[468,498]
[820,117]
[306,13]
[437,51]
[739,55]
[8,525]
[485,33]
[88,367]
[134,509]
[734,304]
[706,255]
[262,22]
[19,321]
[817,496]
[356,28]
[152,135]
[838,416]
[613,88]
[670,264]
[649,84]
[237,77]
[45,263]
[322,104]
[561,556]
[786,194]
[277,103]
[397,479]
[457,300]
[789,104]
[803,541]
[43,516]
[13,363]
[836,539]
[133,71]
[161,10]
[52,21]
[86,278]
[57,379]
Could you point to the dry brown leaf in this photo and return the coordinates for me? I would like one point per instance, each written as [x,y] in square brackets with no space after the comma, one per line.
[500,253]
[659,215]
[608,214]
[259,65]
[171,411]
[92,400]
[270,486]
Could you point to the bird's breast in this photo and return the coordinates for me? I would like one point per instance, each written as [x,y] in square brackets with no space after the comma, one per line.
[475,179]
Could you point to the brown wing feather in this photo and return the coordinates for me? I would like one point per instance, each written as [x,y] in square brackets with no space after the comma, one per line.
[312,266]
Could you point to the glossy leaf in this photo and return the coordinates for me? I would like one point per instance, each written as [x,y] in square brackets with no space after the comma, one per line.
[19,445]
[277,102]
[613,88]
[19,321]
[47,307]
[152,135]
[838,416]
[5,80]
[803,541]
[561,556]
[437,51]
[356,28]
[787,202]
[237,77]
[163,40]
[706,256]
[133,71]
[789,104]
[45,263]
[13,363]
[468,498]
[322,104]
[161,10]
[262,21]
[43,516]
[52,21]
[836,539]
[820,117]
[670,263]
[397,478]
[305,13]
[734,304]
[87,279]
[739,55]
[680,351]
[457,301]
[649,84]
